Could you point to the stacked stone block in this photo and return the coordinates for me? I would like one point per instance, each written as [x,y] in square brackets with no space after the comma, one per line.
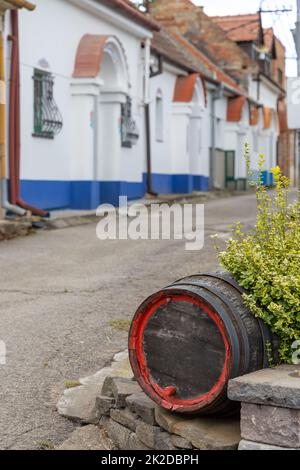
[270,408]
[133,422]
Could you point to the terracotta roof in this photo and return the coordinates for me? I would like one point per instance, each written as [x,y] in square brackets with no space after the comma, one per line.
[235,108]
[184,88]
[254,115]
[89,56]
[190,21]
[126,7]
[168,46]
[240,27]
[181,52]
[216,72]
[268,114]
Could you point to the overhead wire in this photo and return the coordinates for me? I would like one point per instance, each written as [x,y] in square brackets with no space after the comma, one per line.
[281,27]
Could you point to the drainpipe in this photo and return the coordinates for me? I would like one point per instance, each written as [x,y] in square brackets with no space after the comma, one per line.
[148,150]
[3,181]
[216,95]
[14,123]
[147,53]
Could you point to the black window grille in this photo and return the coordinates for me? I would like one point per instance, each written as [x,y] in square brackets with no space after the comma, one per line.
[129,130]
[47,117]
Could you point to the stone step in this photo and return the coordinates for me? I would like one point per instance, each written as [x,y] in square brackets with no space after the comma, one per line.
[250,445]
[278,386]
[204,433]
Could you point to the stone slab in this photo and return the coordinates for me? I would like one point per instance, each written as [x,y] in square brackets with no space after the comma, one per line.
[271,425]
[135,444]
[107,387]
[79,404]
[180,442]
[279,386]
[204,433]
[122,388]
[125,417]
[117,433]
[154,437]
[249,445]
[143,406]
[104,405]
[87,438]
[122,437]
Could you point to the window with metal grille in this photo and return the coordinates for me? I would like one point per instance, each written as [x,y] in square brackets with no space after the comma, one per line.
[129,129]
[47,117]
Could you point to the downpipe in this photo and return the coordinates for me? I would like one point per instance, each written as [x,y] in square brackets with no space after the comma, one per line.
[6,205]
[14,123]
[216,95]
[147,117]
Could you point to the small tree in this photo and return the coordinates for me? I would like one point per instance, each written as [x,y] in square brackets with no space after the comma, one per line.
[266,260]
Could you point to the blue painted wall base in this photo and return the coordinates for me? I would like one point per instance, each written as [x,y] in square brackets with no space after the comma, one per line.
[267,178]
[87,195]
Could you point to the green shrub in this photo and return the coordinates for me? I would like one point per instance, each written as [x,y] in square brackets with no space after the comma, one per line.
[266,260]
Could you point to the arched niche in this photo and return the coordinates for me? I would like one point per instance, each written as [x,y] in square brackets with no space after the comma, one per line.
[102,56]
[99,87]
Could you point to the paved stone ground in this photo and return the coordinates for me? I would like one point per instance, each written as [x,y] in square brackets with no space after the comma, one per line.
[59,291]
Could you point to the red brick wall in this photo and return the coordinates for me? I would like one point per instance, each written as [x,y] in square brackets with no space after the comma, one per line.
[279,64]
[189,20]
[286,154]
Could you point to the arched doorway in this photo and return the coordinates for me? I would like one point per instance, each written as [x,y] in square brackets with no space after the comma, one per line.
[188,107]
[238,133]
[100,89]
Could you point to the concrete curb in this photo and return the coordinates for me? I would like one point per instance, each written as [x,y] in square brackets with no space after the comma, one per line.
[13,229]
[65,219]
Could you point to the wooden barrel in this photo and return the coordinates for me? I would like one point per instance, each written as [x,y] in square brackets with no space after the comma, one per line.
[187,340]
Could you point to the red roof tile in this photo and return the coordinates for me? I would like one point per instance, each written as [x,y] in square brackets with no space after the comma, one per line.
[240,27]
[190,21]
[89,56]
[268,114]
[126,7]
[184,89]
[218,74]
[254,115]
[166,45]
[235,108]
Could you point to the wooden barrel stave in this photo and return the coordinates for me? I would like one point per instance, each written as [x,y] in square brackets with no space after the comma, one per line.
[189,339]
[252,341]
